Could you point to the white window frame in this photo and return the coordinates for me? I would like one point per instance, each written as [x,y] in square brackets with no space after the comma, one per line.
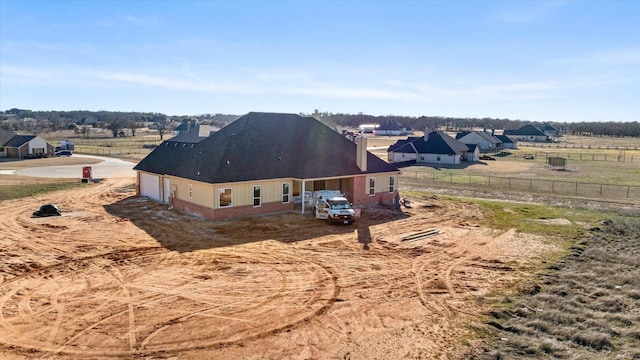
[392,184]
[259,197]
[222,191]
[371,190]
[288,194]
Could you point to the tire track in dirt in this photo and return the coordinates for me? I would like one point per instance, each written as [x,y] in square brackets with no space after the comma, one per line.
[61,338]
[122,276]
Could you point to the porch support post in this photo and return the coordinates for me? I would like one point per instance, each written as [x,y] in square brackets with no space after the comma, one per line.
[302,193]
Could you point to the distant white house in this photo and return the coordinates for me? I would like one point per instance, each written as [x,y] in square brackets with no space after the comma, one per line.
[527,133]
[507,142]
[391,127]
[551,131]
[435,147]
[486,141]
[22,146]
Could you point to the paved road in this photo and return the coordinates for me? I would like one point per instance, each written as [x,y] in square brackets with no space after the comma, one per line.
[107,168]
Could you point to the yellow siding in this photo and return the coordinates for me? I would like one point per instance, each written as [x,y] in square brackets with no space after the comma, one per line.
[382,182]
[207,194]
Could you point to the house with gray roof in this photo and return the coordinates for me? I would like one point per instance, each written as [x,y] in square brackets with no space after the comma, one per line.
[551,131]
[258,163]
[487,142]
[392,127]
[435,147]
[23,146]
[527,133]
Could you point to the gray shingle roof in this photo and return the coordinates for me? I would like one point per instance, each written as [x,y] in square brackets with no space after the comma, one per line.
[391,125]
[19,140]
[525,130]
[262,146]
[5,135]
[437,143]
[504,139]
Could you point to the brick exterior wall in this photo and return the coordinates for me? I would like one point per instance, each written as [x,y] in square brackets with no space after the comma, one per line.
[230,212]
[361,198]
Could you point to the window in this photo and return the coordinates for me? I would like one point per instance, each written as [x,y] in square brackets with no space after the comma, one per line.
[225,197]
[190,191]
[392,184]
[286,191]
[438,158]
[372,186]
[256,196]
[421,157]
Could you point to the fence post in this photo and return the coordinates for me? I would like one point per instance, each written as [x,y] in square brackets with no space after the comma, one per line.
[509,183]
[576,188]
[627,190]
[530,184]
[600,189]
[553,186]
[450,178]
[489,180]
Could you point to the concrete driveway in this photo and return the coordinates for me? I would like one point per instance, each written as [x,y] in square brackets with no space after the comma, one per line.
[107,168]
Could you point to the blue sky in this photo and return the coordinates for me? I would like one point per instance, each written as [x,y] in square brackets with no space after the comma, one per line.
[528,60]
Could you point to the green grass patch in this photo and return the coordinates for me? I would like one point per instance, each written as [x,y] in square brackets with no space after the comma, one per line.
[11,192]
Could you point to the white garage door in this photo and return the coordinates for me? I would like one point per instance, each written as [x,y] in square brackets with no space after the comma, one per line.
[150,186]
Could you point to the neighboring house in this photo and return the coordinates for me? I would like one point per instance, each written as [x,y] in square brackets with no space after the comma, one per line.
[434,148]
[258,163]
[487,142]
[193,128]
[403,150]
[473,154]
[22,146]
[88,120]
[391,127]
[507,143]
[551,131]
[527,133]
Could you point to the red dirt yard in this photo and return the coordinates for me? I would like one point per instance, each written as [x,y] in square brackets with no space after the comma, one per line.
[119,276]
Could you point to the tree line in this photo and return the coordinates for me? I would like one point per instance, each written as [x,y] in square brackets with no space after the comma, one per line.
[430,123]
[117,123]
[45,121]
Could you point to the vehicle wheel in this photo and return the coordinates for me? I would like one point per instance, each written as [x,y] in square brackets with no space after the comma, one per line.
[329,220]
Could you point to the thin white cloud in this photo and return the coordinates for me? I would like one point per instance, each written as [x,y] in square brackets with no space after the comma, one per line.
[140,21]
[628,56]
[523,12]
[294,83]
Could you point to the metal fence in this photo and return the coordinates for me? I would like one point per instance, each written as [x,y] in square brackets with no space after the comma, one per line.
[526,184]
[107,151]
[564,145]
[620,157]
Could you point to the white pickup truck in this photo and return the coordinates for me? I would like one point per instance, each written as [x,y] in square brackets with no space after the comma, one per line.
[335,210]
